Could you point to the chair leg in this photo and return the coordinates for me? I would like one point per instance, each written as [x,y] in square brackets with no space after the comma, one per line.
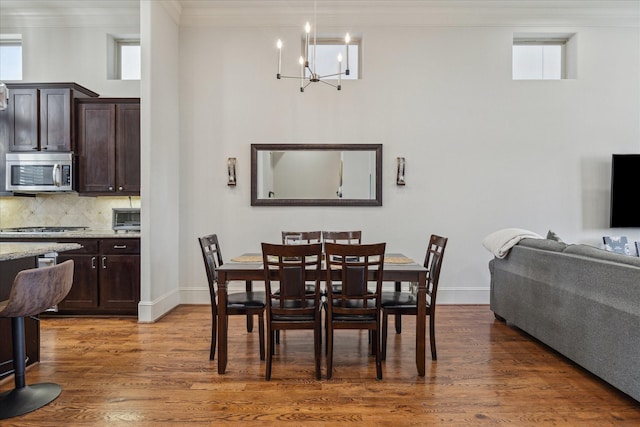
[432,337]
[214,334]
[329,352]
[376,345]
[383,345]
[261,335]
[271,333]
[249,288]
[317,339]
[398,317]
[23,398]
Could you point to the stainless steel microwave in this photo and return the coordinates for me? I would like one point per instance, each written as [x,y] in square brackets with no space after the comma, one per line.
[39,172]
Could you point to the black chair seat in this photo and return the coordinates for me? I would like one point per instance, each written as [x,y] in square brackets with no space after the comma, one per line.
[399,299]
[247,299]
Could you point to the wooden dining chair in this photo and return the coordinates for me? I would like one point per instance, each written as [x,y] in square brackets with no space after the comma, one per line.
[355,306]
[344,237]
[287,271]
[246,303]
[402,303]
[301,237]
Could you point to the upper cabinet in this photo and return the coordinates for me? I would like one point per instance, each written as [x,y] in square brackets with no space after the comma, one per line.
[40,115]
[108,146]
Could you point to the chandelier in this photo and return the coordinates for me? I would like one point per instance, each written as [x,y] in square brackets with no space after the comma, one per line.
[308,74]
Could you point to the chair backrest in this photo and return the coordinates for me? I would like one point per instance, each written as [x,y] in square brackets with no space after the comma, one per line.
[354,266]
[345,237]
[433,264]
[37,289]
[212,259]
[292,267]
[301,237]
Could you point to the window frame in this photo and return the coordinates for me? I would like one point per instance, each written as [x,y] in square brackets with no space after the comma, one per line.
[13,40]
[562,40]
[119,44]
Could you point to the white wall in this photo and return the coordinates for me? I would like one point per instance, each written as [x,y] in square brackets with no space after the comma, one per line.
[483,152]
[160,171]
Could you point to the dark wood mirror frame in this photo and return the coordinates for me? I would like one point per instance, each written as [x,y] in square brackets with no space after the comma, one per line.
[255,201]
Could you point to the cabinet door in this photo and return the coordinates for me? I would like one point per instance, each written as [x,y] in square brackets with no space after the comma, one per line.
[96,148]
[128,148]
[23,119]
[120,283]
[55,119]
[84,291]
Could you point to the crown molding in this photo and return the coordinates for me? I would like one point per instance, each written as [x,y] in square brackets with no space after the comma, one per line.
[288,13]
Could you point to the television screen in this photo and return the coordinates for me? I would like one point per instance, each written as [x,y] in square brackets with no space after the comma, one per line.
[625,176]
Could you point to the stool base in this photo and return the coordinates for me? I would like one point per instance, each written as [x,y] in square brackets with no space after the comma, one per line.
[22,400]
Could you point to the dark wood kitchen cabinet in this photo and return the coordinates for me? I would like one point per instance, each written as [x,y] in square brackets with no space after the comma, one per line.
[106,278]
[108,146]
[40,116]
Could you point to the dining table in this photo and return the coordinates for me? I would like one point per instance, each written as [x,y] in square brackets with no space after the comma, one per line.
[248,268]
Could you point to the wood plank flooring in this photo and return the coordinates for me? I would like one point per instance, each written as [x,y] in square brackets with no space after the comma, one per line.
[117,372]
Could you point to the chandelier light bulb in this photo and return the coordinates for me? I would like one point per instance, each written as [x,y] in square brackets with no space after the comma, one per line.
[308,73]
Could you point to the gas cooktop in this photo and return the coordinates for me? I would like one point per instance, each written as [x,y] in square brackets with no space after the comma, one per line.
[44,229]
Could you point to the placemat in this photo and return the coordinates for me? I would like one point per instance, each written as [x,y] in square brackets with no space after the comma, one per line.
[397,260]
[247,258]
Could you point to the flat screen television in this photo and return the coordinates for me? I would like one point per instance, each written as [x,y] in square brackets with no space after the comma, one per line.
[625,191]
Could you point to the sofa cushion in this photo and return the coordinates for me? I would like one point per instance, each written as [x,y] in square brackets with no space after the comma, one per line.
[593,252]
[544,244]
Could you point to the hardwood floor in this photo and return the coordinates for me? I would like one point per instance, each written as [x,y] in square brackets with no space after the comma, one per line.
[117,372]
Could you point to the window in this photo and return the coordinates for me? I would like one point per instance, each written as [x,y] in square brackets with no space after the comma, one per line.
[124,57]
[10,57]
[326,54]
[543,57]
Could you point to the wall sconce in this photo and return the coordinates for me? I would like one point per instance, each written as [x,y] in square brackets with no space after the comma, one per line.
[400,176]
[231,171]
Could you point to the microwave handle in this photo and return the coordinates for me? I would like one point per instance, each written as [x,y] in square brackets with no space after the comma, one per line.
[57,175]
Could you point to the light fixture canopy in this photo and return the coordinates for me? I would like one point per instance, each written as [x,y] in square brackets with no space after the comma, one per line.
[308,74]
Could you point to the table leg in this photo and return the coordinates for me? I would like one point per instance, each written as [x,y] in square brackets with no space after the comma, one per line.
[421,321]
[222,322]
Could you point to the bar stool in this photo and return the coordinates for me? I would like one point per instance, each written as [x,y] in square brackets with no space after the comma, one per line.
[33,291]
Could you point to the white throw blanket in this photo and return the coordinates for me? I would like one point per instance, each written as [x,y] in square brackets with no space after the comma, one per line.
[500,242]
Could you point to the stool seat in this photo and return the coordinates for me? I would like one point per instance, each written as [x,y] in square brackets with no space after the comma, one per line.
[33,291]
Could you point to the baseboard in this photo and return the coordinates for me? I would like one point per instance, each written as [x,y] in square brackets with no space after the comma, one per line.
[151,311]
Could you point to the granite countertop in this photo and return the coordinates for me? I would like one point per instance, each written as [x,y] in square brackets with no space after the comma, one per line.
[81,234]
[16,250]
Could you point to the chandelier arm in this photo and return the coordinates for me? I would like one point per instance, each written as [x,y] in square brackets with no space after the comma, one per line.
[290,77]
[331,75]
[327,83]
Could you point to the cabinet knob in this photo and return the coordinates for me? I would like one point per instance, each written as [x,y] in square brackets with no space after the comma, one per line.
[120,188]
[110,188]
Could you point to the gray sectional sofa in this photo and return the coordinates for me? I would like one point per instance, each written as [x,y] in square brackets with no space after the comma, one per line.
[581,301]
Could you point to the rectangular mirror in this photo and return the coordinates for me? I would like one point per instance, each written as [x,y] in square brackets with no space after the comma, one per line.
[316,174]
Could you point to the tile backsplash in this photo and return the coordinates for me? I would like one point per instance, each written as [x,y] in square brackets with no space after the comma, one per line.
[61,209]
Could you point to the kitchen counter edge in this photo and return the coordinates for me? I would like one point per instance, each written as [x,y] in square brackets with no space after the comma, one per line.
[17,250]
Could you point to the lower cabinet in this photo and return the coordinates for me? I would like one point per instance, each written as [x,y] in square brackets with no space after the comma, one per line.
[106,279]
